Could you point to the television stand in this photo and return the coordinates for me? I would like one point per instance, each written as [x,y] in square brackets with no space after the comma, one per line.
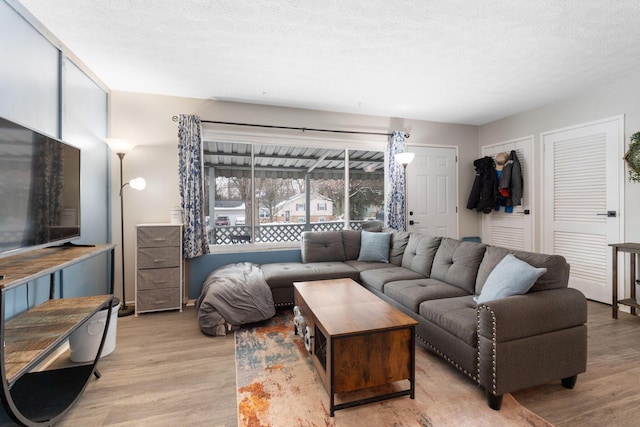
[34,397]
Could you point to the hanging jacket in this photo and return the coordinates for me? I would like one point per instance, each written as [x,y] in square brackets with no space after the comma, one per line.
[503,194]
[485,186]
[512,180]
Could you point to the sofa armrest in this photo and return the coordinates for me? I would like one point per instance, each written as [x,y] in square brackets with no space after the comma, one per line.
[531,314]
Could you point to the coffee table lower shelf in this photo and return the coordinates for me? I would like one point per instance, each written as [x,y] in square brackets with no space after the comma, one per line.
[409,392]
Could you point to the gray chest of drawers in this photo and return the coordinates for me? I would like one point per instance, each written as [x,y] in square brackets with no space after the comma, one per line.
[158,267]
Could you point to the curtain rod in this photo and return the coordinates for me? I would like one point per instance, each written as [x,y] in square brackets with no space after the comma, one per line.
[406,135]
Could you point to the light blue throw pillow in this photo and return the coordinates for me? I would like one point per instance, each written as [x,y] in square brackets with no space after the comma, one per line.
[510,277]
[374,246]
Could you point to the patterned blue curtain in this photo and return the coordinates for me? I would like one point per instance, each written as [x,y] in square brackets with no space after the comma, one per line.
[191,185]
[395,217]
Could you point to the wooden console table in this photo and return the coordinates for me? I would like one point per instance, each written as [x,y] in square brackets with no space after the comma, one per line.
[633,249]
[33,397]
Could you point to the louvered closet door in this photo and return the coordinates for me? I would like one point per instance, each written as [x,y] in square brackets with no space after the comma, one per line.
[582,184]
[513,230]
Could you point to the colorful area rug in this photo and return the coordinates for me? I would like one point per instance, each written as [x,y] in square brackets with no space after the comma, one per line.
[277,385]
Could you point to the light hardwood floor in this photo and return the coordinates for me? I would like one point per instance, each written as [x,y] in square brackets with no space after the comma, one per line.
[608,394]
[165,372]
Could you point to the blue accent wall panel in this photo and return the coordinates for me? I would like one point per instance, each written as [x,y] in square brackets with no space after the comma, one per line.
[199,268]
[28,74]
[43,89]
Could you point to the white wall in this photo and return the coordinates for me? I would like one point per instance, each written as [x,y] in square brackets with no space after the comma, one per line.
[609,101]
[146,120]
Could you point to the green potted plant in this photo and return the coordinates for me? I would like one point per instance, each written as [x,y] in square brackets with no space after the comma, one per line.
[632,158]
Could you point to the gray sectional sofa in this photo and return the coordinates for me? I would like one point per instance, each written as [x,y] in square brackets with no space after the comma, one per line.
[504,344]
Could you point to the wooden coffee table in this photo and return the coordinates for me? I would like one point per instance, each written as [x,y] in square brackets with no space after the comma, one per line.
[358,340]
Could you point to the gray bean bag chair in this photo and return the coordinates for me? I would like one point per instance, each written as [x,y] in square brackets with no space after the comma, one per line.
[233,295]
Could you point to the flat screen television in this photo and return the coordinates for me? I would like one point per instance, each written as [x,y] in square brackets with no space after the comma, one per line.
[39,190]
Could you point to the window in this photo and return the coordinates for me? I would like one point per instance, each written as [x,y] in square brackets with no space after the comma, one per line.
[271,186]
[366,187]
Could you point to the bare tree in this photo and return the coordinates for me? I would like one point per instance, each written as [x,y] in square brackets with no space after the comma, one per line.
[270,192]
[332,189]
[364,194]
[242,186]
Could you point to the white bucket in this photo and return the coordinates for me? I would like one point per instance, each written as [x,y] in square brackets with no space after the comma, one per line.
[85,341]
[176,216]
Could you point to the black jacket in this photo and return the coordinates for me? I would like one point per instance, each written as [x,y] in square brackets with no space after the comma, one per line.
[512,180]
[485,186]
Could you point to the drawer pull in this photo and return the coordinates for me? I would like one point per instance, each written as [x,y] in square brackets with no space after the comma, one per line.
[159,239]
[158,260]
[159,282]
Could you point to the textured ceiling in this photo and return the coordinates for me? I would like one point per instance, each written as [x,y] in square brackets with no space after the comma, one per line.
[460,61]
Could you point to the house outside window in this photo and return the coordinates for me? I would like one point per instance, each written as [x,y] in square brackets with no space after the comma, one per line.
[271,185]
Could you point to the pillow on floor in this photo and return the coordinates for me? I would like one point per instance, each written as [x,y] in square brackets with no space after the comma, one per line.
[374,246]
[510,277]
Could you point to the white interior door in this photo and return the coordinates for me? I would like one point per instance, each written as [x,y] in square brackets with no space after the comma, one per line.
[582,200]
[513,230]
[432,191]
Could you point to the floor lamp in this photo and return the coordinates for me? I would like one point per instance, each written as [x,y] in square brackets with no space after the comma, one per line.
[121,147]
[404,159]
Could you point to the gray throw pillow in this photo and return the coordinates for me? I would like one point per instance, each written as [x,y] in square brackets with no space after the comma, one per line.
[510,277]
[374,247]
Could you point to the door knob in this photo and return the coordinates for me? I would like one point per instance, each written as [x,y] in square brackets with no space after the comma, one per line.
[609,214]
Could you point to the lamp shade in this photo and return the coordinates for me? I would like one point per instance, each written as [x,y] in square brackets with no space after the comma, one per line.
[404,158]
[118,145]
[138,183]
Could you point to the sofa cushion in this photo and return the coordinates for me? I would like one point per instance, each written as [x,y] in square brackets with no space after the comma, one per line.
[321,246]
[419,253]
[456,262]
[399,240]
[351,244]
[374,247]
[455,315]
[557,275]
[283,274]
[510,277]
[366,265]
[378,277]
[411,293]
